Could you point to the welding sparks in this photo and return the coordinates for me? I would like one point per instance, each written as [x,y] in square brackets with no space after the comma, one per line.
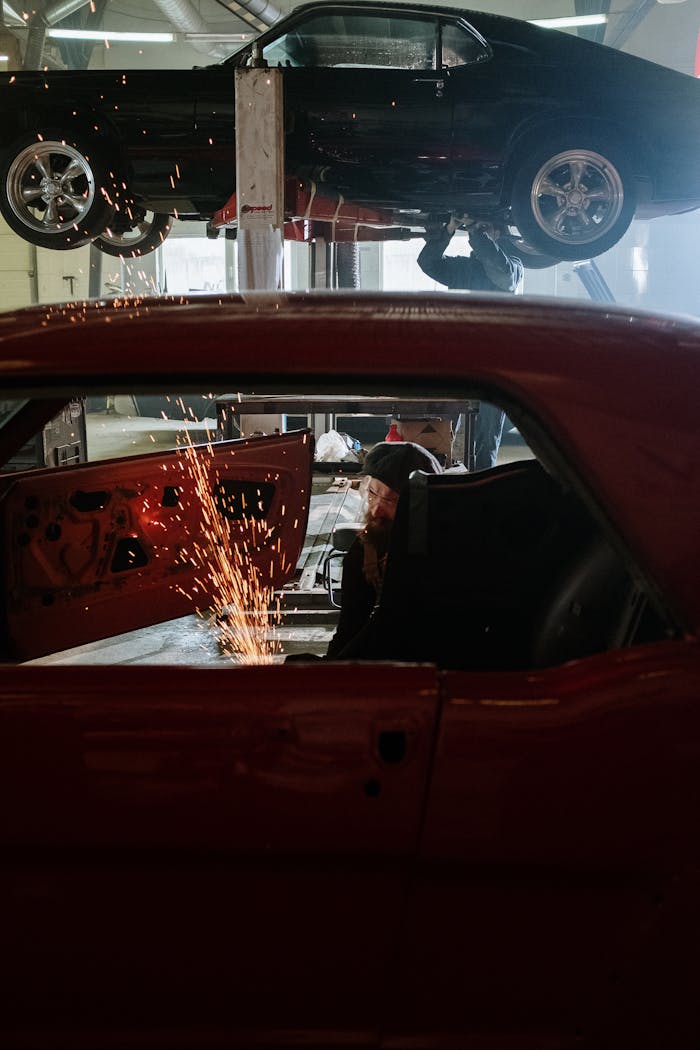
[239,601]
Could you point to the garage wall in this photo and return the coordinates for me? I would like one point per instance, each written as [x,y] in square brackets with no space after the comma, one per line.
[16,268]
[29,275]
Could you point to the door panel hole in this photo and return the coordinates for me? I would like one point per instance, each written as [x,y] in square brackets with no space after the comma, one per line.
[89,501]
[171,496]
[244,499]
[128,554]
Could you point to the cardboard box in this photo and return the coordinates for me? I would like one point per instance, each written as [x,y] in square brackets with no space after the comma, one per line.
[264,423]
[433,434]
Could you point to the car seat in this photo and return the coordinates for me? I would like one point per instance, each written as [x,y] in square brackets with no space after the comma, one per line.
[342,538]
[471,566]
[592,606]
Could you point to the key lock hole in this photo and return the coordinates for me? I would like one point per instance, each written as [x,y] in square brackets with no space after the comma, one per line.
[392,745]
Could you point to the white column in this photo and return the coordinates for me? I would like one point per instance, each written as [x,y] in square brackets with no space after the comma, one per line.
[260,178]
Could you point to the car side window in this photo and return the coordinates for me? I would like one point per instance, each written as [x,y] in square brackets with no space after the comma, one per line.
[357,41]
[288,50]
[460,47]
[505,569]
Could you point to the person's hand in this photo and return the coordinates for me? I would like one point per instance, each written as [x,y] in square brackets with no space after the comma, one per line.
[485,227]
[459,219]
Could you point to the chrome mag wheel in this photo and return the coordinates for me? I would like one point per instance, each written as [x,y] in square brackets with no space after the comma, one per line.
[50,187]
[577,197]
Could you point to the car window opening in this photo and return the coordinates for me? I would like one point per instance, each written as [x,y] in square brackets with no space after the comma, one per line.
[499,569]
[504,569]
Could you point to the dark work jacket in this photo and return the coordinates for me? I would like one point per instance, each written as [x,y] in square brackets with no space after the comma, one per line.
[357,602]
[487,269]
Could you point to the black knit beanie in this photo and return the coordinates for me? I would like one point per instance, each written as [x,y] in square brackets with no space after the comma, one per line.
[393,462]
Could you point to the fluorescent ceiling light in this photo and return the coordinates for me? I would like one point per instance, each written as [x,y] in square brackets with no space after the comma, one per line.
[218,38]
[148,38]
[96,34]
[570,22]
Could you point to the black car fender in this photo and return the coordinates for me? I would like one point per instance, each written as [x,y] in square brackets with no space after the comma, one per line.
[531,135]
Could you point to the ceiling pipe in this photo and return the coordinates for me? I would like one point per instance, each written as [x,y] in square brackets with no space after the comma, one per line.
[37,26]
[62,9]
[260,14]
[36,38]
[187,19]
[13,16]
[9,46]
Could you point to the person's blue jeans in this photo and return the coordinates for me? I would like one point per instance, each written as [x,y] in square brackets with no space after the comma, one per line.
[487,436]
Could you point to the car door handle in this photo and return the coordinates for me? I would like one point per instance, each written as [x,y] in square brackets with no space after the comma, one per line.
[438,82]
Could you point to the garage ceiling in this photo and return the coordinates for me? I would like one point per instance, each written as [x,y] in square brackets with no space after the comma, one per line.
[206,30]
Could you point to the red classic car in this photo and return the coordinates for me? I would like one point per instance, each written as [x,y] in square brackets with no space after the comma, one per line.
[480,833]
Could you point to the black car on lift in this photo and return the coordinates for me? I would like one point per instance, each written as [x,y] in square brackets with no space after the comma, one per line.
[422,110]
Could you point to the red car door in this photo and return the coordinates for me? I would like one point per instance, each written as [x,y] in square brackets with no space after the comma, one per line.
[556,895]
[96,549]
[204,858]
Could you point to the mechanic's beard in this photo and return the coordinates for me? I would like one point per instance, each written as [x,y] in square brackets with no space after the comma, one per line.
[375,537]
[377,531]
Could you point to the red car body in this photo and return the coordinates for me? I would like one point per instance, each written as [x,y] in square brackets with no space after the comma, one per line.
[370,854]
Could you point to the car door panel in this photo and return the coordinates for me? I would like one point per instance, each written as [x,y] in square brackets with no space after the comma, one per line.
[146,121]
[155,120]
[101,548]
[231,853]
[375,134]
[215,136]
[561,823]
[489,108]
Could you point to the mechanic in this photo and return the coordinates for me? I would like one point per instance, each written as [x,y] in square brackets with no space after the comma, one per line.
[388,467]
[487,269]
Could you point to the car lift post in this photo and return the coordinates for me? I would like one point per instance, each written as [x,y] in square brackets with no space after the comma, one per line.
[259,177]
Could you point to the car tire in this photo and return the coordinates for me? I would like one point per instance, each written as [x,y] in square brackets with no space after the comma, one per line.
[52,191]
[529,256]
[573,198]
[143,237]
